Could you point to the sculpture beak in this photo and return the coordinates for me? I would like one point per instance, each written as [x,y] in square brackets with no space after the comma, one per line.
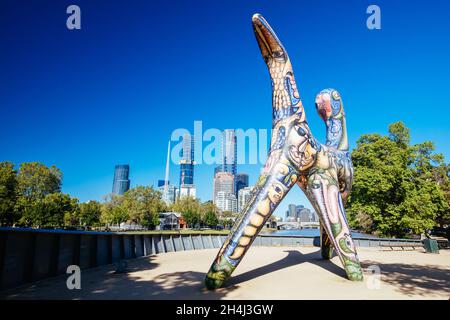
[268,41]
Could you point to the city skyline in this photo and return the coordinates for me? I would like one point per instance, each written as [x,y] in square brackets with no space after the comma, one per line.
[74,98]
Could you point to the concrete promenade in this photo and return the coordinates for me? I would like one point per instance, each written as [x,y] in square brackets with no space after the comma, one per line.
[265,273]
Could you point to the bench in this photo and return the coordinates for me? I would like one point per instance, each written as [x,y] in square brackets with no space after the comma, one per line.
[402,246]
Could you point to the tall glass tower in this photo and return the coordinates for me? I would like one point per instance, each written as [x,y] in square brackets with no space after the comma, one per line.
[187,160]
[121,183]
[229,152]
[241,182]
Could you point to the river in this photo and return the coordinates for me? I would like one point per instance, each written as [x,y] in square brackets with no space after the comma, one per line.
[314,232]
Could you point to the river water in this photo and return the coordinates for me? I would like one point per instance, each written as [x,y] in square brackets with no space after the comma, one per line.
[313,233]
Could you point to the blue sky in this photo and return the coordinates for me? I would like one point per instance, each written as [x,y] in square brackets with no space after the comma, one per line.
[114,91]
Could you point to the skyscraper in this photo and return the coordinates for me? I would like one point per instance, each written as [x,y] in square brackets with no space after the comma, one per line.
[121,183]
[241,182]
[291,214]
[224,196]
[223,181]
[229,151]
[187,160]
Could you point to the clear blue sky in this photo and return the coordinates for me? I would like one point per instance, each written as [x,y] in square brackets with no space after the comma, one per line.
[114,91]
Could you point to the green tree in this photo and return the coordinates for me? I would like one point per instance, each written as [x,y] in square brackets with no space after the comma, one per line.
[394,191]
[8,186]
[112,211]
[35,180]
[210,214]
[54,210]
[90,213]
[143,205]
[191,210]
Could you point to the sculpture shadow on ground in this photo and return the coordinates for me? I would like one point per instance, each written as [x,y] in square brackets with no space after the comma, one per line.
[413,279]
[104,283]
[133,285]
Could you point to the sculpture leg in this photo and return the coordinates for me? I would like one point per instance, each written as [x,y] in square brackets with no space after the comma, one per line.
[326,248]
[323,192]
[267,194]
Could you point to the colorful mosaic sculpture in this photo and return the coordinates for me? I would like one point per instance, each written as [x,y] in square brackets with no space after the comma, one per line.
[323,171]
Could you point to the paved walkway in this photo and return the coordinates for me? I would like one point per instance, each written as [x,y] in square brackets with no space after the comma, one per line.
[265,273]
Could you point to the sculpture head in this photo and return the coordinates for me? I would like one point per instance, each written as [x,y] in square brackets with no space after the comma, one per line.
[286,98]
[270,45]
[328,103]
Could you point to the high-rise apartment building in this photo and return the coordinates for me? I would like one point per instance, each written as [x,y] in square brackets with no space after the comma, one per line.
[226,201]
[243,197]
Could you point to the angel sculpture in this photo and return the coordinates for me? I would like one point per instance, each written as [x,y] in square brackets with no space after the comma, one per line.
[323,171]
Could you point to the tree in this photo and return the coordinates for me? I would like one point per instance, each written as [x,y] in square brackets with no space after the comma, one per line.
[54,210]
[191,210]
[210,214]
[394,192]
[8,193]
[90,213]
[143,205]
[399,133]
[112,211]
[35,180]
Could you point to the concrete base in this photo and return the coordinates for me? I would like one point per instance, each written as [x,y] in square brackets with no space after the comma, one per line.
[265,273]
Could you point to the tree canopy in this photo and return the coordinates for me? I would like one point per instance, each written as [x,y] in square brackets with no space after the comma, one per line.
[398,188]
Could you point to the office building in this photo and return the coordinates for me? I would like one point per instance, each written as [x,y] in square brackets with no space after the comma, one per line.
[121,182]
[292,212]
[304,215]
[223,181]
[241,182]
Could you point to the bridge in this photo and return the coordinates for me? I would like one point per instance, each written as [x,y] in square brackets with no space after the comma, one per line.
[298,225]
